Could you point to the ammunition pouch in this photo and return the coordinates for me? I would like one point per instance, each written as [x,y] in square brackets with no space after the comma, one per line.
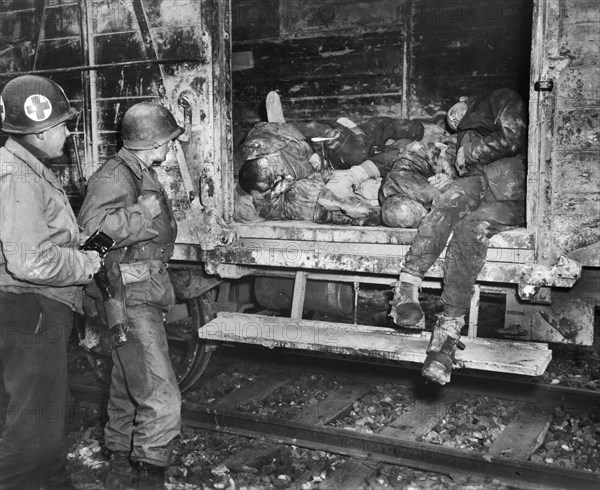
[148,282]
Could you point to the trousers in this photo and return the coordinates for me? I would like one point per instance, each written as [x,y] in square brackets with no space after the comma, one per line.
[34,332]
[144,408]
[475,207]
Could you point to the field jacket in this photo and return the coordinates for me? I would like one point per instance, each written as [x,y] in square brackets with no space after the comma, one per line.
[38,231]
[493,127]
[493,134]
[143,245]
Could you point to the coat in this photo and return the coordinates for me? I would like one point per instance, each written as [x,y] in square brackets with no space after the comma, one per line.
[136,264]
[493,127]
[38,231]
[493,135]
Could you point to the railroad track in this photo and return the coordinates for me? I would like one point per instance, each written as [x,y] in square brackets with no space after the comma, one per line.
[316,420]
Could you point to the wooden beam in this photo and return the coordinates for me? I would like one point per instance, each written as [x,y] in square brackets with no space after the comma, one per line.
[527,358]
[299,294]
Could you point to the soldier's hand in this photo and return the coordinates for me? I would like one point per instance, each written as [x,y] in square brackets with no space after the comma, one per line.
[460,164]
[440,181]
[93,258]
[151,202]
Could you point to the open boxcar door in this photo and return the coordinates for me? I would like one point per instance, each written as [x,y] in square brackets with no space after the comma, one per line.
[109,55]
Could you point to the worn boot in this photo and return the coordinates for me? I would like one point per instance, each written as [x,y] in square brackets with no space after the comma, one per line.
[406,310]
[122,474]
[441,349]
[150,477]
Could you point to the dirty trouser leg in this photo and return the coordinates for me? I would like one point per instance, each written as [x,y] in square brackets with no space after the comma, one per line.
[380,129]
[462,197]
[33,351]
[467,250]
[145,378]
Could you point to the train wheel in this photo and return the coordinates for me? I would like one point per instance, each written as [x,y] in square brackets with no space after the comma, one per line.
[189,355]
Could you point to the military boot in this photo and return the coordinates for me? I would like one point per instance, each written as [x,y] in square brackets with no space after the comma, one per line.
[150,477]
[442,347]
[122,474]
[406,310]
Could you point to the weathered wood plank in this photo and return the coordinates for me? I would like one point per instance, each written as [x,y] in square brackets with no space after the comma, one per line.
[139,81]
[578,129]
[373,342]
[125,46]
[422,418]
[580,12]
[567,319]
[353,473]
[342,85]
[522,437]
[255,20]
[335,403]
[289,230]
[58,53]
[325,57]
[251,392]
[577,86]
[61,21]
[581,41]
[303,18]
[255,457]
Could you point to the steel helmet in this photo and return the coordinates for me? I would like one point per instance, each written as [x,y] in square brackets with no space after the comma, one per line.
[148,125]
[31,104]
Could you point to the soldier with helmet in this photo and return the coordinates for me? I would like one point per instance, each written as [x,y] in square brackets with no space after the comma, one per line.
[126,201]
[42,272]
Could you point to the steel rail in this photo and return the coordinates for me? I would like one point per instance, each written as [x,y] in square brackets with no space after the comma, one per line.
[373,447]
[378,448]
[507,387]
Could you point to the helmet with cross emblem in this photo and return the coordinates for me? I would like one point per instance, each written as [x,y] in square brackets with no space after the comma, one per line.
[32,104]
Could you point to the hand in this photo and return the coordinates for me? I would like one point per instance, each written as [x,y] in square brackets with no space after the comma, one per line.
[151,202]
[92,257]
[282,186]
[340,183]
[440,181]
[460,164]
[355,208]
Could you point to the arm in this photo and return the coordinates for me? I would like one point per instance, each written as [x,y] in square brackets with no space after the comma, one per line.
[510,134]
[31,251]
[111,206]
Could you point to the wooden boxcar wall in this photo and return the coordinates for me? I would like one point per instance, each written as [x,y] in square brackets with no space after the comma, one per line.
[572,205]
[58,37]
[402,58]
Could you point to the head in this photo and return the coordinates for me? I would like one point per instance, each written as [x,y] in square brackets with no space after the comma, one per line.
[262,173]
[147,129]
[457,112]
[402,212]
[36,109]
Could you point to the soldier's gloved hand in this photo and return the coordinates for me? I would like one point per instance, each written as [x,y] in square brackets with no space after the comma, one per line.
[151,202]
[440,181]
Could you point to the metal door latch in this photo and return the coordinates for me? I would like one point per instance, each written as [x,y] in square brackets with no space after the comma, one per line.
[543,85]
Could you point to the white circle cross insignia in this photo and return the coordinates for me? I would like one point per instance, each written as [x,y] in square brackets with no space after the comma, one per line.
[37,107]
